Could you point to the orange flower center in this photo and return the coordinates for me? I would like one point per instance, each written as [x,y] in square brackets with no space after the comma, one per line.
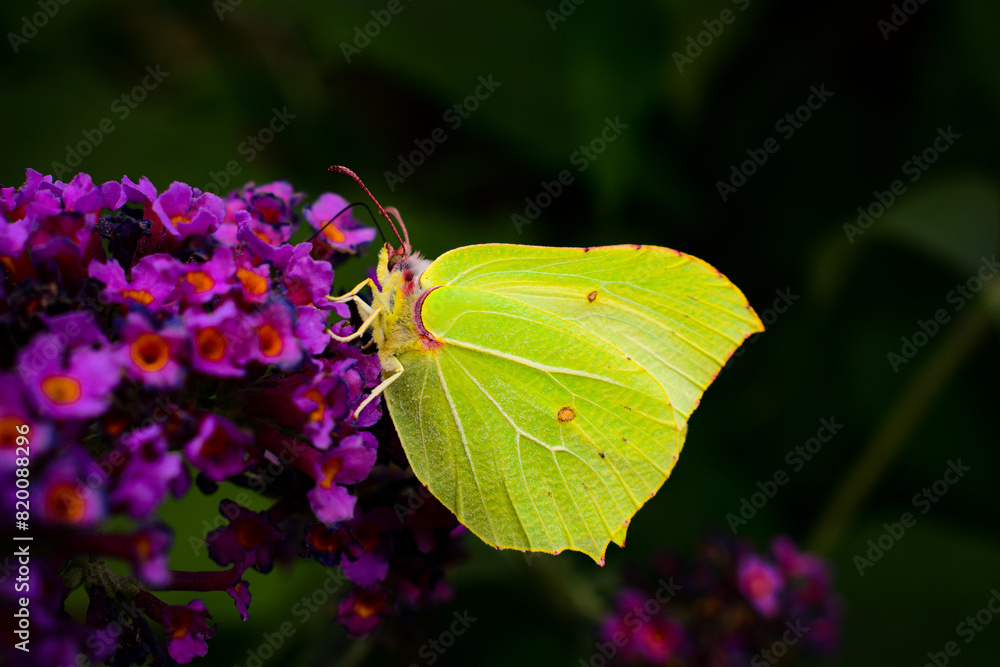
[61,389]
[270,341]
[143,548]
[216,444]
[251,281]
[324,540]
[8,432]
[367,535]
[366,605]
[330,469]
[211,343]
[65,503]
[316,397]
[201,281]
[114,424]
[179,622]
[238,588]
[249,534]
[262,236]
[150,352]
[177,219]
[334,234]
[140,295]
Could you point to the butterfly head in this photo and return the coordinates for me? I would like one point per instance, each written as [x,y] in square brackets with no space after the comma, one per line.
[397,255]
[400,268]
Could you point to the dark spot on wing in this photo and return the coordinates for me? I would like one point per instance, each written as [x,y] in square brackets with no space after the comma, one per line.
[565,414]
[592,297]
[626,407]
[601,454]
[586,249]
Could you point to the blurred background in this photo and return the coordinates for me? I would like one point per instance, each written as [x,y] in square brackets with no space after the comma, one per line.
[837,161]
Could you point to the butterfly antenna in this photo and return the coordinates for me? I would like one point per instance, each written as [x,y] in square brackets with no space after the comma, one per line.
[394,212]
[338,169]
[345,210]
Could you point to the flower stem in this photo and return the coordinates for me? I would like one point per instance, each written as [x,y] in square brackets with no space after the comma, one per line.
[151,605]
[923,388]
[217,580]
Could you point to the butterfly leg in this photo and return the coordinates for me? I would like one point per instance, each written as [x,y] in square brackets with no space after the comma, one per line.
[396,370]
[363,308]
[367,282]
[361,330]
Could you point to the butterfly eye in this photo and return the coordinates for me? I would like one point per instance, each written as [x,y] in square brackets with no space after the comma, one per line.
[393,261]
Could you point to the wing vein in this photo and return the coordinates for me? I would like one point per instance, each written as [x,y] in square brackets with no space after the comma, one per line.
[517,439]
[465,445]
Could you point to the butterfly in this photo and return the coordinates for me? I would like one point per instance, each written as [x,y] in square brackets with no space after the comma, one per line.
[542,394]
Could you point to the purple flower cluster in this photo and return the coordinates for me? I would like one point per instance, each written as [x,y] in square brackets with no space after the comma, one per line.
[152,339]
[728,606]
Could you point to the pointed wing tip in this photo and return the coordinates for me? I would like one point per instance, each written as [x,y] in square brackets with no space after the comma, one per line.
[755,322]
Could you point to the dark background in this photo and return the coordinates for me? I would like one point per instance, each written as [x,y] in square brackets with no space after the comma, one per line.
[782,232]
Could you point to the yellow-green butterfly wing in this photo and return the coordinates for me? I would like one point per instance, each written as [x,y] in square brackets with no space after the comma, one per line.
[556,402]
